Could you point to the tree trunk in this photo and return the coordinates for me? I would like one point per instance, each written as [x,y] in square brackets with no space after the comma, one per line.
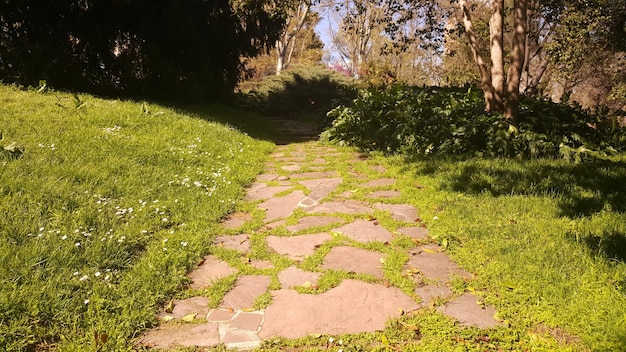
[485,75]
[496,42]
[511,109]
[281,53]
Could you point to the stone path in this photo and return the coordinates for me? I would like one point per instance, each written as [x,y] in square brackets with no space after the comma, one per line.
[314,228]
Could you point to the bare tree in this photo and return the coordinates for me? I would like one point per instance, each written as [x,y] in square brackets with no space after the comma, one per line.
[298,17]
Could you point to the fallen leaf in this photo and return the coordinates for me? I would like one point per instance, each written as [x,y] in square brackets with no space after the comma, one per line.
[170,307]
[167,318]
[428,250]
[189,317]
[248,310]
[410,326]
[307,284]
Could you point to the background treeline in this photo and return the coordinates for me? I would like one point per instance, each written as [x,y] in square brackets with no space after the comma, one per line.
[148,48]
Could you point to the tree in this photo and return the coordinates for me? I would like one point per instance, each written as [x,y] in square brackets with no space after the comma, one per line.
[154,48]
[298,16]
[493,80]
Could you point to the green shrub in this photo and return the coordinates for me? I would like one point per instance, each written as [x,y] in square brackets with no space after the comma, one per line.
[452,121]
[299,91]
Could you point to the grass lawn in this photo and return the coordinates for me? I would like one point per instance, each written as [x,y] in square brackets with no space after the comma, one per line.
[105,205]
[108,206]
[546,239]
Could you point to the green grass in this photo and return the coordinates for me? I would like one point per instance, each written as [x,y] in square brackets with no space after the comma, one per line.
[546,239]
[106,210]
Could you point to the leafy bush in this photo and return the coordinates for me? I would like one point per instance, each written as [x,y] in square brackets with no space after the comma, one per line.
[452,121]
[301,90]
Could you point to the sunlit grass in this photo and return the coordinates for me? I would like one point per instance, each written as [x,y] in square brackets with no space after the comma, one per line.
[109,205]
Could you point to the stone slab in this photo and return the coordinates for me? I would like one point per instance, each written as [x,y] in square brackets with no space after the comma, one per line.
[352,307]
[220,315]
[267,177]
[281,206]
[236,220]
[265,192]
[416,233]
[320,188]
[185,335]
[381,182]
[210,270]
[249,321]
[436,266]
[429,293]
[365,231]
[297,247]
[261,264]
[355,260]
[343,207]
[240,243]
[246,290]
[315,221]
[316,174]
[399,212]
[468,312]
[293,276]
[184,307]
[384,194]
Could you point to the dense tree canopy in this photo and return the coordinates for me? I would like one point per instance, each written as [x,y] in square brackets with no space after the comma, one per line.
[156,48]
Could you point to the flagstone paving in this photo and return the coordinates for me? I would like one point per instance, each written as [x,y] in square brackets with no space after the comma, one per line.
[310,229]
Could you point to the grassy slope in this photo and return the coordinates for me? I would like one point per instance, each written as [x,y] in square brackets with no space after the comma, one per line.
[545,238]
[107,208]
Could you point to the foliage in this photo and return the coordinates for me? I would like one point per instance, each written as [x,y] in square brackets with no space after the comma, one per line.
[450,121]
[107,208]
[300,90]
[160,49]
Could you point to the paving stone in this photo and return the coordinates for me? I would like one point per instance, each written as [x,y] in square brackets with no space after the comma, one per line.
[468,312]
[281,206]
[292,159]
[267,177]
[240,243]
[379,168]
[352,307]
[184,307]
[220,315]
[246,290]
[210,270]
[355,260]
[292,167]
[249,321]
[365,231]
[399,212]
[275,224]
[293,276]
[416,233]
[381,182]
[430,292]
[316,174]
[307,202]
[242,340]
[235,220]
[265,192]
[436,266]
[384,194]
[261,264]
[344,207]
[320,188]
[315,221]
[297,247]
[186,335]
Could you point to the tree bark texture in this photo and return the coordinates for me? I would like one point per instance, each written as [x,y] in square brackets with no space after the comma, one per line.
[496,42]
[485,75]
[518,50]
